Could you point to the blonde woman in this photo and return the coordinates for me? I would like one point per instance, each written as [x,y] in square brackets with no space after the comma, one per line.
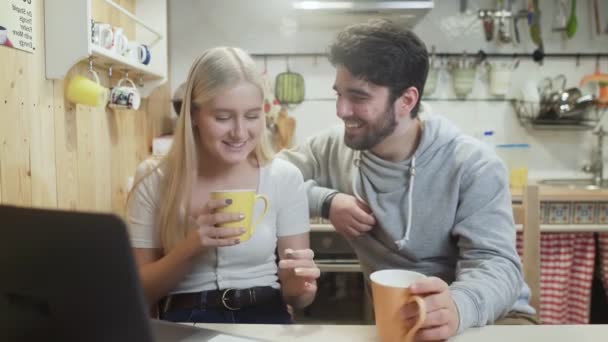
[196,271]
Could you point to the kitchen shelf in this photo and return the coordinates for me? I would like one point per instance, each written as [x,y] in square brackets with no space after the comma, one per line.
[433,99]
[480,53]
[106,58]
[68,41]
[569,228]
[545,228]
[330,267]
[456,99]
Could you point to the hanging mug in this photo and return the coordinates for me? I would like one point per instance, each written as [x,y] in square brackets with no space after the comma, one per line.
[125,97]
[463,80]
[463,71]
[120,43]
[146,54]
[137,53]
[102,35]
[85,91]
[3,35]
[431,80]
[500,77]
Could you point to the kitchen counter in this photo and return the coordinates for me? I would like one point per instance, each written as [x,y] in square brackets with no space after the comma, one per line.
[367,333]
[548,195]
[562,193]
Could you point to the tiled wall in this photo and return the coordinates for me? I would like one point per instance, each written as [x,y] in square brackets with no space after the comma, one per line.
[574,212]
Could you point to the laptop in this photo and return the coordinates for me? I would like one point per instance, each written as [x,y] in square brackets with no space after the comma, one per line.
[71,276]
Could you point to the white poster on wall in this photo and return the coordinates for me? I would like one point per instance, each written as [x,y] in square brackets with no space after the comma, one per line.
[17,24]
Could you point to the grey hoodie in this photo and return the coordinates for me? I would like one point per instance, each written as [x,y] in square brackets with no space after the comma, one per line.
[445,212]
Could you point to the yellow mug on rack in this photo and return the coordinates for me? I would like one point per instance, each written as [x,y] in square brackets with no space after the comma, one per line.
[88,92]
[243,202]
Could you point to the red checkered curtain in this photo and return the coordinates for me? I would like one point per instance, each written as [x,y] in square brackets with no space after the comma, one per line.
[603,246]
[567,262]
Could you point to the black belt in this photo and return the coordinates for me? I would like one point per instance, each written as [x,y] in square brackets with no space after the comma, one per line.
[230,299]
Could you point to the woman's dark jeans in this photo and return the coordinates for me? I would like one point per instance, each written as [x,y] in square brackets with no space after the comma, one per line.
[266,313]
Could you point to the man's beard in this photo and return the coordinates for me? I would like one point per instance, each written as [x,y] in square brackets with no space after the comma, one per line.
[374,132]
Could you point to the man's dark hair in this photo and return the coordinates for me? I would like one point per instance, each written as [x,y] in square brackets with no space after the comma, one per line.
[177,106]
[385,54]
[178,98]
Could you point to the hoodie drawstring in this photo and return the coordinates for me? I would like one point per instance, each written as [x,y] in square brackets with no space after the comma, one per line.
[357,163]
[412,173]
[410,189]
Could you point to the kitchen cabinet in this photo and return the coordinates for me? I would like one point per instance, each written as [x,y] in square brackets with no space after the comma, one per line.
[68,41]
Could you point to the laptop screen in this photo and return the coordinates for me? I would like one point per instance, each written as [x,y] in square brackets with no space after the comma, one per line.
[68,276]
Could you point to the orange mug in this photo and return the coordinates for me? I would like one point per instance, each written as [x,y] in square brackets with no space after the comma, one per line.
[390,291]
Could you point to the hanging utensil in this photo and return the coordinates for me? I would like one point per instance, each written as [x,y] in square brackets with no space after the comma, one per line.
[504,29]
[601,84]
[289,86]
[535,34]
[560,19]
[572,24]
[463,6]
[488,24]
[286,127]
[535,25]
[271,105]
[522,14]
[503,16]
[596,14]
[515,29]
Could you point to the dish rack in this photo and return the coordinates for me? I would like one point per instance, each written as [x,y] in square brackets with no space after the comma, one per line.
[528,115]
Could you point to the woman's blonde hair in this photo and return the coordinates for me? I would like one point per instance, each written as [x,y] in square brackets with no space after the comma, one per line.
[214,71]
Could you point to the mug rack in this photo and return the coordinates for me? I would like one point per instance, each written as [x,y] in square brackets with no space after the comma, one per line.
[481,55]
[68,40]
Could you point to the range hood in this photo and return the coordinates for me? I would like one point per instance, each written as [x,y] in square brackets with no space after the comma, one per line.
[326,13]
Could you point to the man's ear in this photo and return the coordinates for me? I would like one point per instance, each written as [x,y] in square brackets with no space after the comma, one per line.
[407,101]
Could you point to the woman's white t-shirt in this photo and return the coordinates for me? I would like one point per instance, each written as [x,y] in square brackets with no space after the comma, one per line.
[248,264]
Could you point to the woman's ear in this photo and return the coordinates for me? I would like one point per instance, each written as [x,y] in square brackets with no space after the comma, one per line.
[194,113]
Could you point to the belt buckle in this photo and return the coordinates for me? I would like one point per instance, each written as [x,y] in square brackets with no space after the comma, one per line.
[225,300]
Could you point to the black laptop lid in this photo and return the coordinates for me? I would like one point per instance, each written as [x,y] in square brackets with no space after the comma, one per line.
[68,276]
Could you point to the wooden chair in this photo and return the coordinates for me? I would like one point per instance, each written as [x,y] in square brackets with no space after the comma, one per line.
[526,213]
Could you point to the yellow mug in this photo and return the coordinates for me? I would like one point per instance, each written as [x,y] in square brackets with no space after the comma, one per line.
[86,91]
[243,201]
[390,292]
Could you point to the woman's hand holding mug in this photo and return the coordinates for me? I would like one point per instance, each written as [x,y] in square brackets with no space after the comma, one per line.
[207,233]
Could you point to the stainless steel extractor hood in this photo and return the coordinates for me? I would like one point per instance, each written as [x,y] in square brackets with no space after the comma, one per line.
[326,13]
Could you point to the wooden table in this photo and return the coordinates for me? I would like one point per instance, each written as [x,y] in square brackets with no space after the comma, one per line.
[355,333]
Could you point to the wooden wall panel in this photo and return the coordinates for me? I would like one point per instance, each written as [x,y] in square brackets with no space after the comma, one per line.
[66,149]
[56,154]
[85,158]
[15,132]
[42,130]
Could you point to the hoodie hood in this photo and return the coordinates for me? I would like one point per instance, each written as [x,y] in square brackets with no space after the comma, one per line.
[379,178]
[437,132]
